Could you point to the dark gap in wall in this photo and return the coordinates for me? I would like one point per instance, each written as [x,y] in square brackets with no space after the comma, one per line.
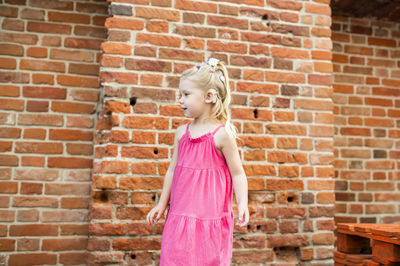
[255,111]
[132,101]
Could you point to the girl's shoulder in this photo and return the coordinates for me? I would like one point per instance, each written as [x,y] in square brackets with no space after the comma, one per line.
[221,137]
[180,130]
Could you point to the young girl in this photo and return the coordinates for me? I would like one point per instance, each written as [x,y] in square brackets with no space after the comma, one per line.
[205,166]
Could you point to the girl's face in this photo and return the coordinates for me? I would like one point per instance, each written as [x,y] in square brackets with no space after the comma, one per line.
[191,98]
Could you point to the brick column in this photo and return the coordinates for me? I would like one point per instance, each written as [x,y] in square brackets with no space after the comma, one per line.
[279,58]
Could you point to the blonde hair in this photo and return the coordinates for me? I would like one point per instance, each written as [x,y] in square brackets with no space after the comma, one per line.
[210,77]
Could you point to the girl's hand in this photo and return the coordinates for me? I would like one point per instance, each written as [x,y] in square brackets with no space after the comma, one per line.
[243,215]
[159,210]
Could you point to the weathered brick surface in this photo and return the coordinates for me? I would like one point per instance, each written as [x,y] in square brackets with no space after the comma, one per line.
[366,116]
[279,59]
[72,180]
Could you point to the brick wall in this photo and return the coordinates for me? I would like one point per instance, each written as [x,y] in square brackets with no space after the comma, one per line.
[49,90]
[70,182]
[366,96]
[279,59]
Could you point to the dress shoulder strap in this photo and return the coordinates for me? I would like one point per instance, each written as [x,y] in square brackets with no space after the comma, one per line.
[215,131]
[187,129]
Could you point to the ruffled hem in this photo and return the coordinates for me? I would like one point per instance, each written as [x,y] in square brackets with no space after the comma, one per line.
[199,219]
[190,240]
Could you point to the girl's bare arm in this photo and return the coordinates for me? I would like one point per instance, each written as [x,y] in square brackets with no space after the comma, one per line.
[231,153]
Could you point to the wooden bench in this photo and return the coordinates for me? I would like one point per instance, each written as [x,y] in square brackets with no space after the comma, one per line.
[366,244]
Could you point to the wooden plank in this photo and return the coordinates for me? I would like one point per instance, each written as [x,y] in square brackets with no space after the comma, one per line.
[384,252]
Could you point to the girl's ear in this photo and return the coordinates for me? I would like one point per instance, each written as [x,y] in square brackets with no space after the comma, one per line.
[211,96]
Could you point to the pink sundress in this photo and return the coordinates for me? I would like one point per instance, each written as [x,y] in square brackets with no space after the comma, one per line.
[198,229]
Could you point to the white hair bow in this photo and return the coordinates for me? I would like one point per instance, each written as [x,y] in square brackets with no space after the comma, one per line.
[212,61]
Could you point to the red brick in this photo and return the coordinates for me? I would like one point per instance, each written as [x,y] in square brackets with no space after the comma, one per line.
[157,39]
[119,136]
[120,77]
[157,26]
[35,14]
[9,90]
[257,87]
[84,69]
[116,48]
[37,258]
[68,17]
[43,65]
[11,49]
[8,63]
[292,5]
[44,92]
[38,147]
[109,167]
[79,149]
[100,8]
[33,230]
[73,257]
[72,107]
[226,47]
[107,229]
[64,244]
[8,187]
[70,134]
[391,82]
[71,55]
[111,61]
[290,53]
[37,52]
[23,38]
[356,131]
[323,67]
[148,65]
[381,42]
[7,104]
[124,23]
[69,162]
[178,54]
[141,183]
[9,11]
[144,152]
[279,184]
[196,6]
[322,9]
[82,43]
[259,38]
[45,27]
[10,132]
[358,50]
[32,161]
[378,101]
[284,77]
[13,24]
[78,81]
[51,4]
[225,21]
[156,13]
[313,104]
[51,40]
